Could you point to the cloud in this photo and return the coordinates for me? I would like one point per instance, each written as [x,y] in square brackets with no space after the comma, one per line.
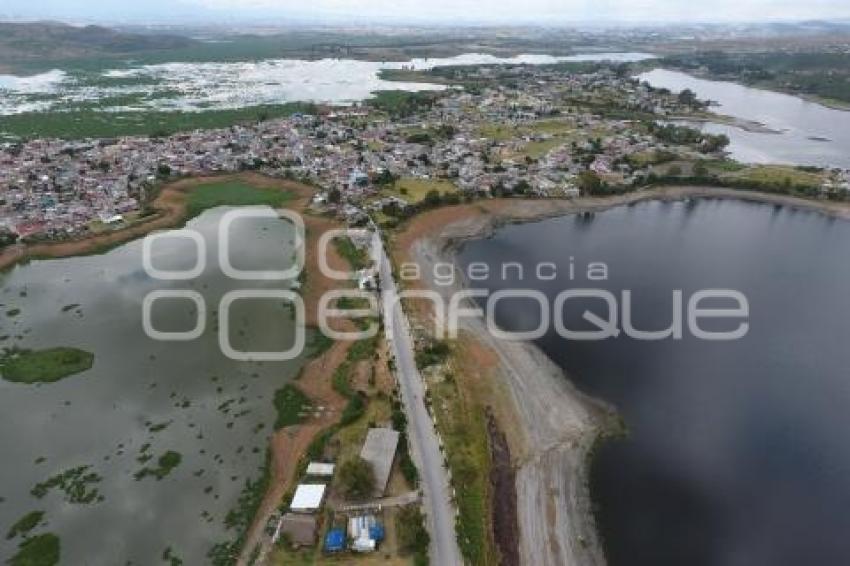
[446,11]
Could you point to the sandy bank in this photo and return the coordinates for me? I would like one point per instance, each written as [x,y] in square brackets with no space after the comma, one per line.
[558,425]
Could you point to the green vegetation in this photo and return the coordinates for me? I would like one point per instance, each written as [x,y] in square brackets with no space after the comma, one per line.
[435,353]
[43,366]
[415,190]
[290,403]
[408,76]
[168,555]
[40,550]
[779,175]
[75,483]
[25,524]
[165,464]
[412,536]
[464,433]
[357,258]
[363,349]
[233,193]
[25,41]
[93,123]
[405,462]
[400,103]
[239,518]
[356,478]
[684,135]
[356,405]
[7,237]
[823,74]
[458,403]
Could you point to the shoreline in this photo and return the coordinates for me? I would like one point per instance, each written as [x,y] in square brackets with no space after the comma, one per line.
[831,103]
[288,445]
[725,120]
[170,212]
[560,425]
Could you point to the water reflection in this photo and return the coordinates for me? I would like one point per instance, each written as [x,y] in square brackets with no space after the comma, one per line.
[215,412]
[737,453]
[810,133]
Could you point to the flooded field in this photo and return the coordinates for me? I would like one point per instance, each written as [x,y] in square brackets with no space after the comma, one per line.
[169,432]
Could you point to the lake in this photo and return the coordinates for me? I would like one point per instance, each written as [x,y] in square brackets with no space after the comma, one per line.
[206,86]
[180,396]
[737,452]
[810,133]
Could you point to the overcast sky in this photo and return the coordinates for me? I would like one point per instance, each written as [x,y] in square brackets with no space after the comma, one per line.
[421,11]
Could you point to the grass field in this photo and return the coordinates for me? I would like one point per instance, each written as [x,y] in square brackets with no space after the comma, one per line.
[538,149]
[44,366]
[233,193]
[778,175]
[503,132]
[92,123]
[414,190]
[461,423]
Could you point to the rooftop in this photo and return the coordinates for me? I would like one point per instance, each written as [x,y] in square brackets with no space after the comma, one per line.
[320,469]
[308,497]
[379,450]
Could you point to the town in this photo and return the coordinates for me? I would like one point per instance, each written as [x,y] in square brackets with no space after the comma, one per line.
[544,131]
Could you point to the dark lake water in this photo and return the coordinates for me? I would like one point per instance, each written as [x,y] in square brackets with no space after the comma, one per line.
[809,133]
[185,397]
[737,453]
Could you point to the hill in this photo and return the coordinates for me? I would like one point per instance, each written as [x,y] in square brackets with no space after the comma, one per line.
[25,43]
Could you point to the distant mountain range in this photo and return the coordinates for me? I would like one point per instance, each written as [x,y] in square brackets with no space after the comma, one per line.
[21,43]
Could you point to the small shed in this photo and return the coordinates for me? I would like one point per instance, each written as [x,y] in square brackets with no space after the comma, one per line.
[319,469]
[300,529]
[308,498]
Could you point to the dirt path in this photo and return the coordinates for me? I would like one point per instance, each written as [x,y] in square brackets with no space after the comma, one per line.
[289,445]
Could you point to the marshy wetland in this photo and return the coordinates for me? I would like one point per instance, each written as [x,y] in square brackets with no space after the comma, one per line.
[148,453]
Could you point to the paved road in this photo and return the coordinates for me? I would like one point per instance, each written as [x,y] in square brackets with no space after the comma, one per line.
[425,447]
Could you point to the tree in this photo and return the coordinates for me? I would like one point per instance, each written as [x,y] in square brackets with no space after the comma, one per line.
[432,198]
[589,182]
[7,237]
[688,97]
[357,479]
[700,170]
[410,529]
[385,177]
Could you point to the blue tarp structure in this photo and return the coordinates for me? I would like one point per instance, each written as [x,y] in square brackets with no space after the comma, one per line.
[335,541]
[376,532]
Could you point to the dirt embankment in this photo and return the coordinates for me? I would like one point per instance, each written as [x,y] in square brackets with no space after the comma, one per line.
[503,483]
[170,212]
